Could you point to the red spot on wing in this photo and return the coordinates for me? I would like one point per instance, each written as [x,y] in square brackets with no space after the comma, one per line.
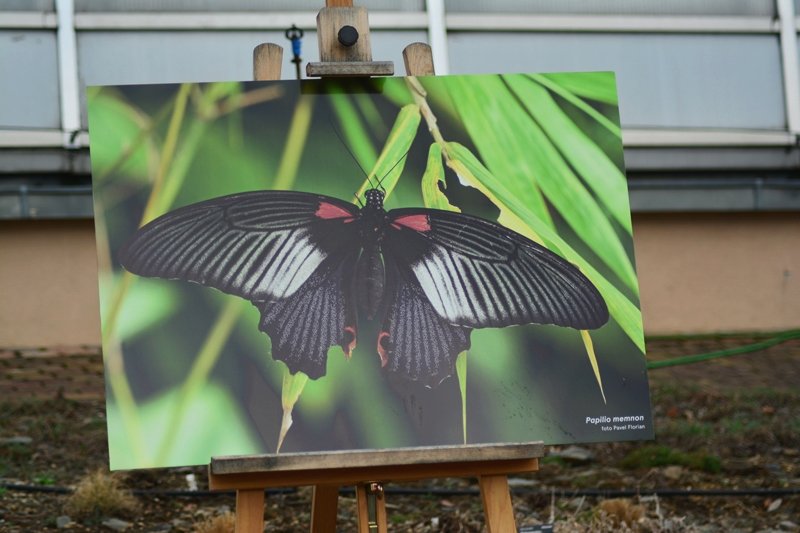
[348,351]
[328,210]
[381,350]
[415,222]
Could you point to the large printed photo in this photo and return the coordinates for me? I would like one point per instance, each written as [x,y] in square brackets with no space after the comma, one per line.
[349,265]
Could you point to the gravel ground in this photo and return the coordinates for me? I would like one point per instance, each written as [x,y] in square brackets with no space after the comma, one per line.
[726,424]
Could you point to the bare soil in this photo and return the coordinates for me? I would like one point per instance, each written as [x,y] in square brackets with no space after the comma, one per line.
[731,423]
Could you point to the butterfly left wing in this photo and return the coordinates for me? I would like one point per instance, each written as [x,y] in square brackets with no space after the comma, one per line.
[289,253]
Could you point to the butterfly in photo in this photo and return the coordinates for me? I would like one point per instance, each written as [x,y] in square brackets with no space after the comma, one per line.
[312,264]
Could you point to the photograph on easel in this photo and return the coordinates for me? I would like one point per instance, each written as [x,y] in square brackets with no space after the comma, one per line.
[352,265]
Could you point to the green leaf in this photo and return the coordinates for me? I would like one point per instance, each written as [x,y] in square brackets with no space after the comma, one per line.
[390,164]
[204,362]
[438,95]
[596,169]
[370,113]
[197,436]
[599,86]
[291,389]
[147,303]
[433,198]
[625,312]
[570,97]
[500,143]
[120,137]
[461,372]
[395,90]
[587,343]
[432,195]
[515,147]
[355,134]
[295,143]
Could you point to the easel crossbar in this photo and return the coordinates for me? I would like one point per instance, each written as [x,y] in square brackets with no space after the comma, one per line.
[355,475]
[368,458]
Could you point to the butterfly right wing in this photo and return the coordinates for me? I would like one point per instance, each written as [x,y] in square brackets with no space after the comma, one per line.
[286,252]
[479,274]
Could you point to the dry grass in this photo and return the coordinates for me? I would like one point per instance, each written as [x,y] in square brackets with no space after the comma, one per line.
[624,516]
[100,494]
[621,512]
[224,523]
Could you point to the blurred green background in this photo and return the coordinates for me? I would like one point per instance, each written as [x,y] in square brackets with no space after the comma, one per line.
[188,373]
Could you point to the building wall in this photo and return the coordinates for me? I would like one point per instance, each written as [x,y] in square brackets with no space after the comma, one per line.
[48,283]
[704,273]
[699,273]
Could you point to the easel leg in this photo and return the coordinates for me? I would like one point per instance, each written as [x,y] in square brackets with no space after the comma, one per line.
[323,508]
[250,511]
[497,504]
[371,508]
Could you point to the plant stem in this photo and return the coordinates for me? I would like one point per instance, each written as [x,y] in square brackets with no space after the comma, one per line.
[295,143]
[419,95]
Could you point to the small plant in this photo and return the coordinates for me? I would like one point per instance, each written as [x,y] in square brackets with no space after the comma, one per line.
[224,523]
[100,494]
[44,479]
[655,455]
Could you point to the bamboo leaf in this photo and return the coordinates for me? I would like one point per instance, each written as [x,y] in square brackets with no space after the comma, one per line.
[180,165]
[599,86]
[586,157]
[461,372]
[396,91]
[438,94]
[201,368]
[570,97]
[355,134]
[291,389]
[371,114]
[434,198]
[121,142]
[295,143]
[625,312]
[514,136]
[198,433]
[432,195]
[587,343]
[503,148]
[390,164]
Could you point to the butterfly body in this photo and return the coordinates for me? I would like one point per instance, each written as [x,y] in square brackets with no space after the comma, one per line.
[370,276]
[313,264]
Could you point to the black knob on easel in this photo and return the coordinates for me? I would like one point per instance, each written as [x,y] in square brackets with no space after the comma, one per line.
[348,36]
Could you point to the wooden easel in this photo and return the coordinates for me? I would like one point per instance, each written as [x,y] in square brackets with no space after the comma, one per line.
[344,45]
[368,470]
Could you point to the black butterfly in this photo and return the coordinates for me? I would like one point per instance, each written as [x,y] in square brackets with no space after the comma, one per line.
[310,263]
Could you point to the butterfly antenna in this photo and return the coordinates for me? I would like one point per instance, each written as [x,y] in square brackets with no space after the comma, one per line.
[341,139]
[380,181]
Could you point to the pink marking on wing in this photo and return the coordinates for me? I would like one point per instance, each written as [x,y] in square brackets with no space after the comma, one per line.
[352,345]
[415,222]
[381,350]
[327,210]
